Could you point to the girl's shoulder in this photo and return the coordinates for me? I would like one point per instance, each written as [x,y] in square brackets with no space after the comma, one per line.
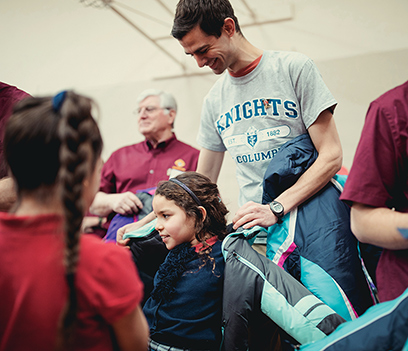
[98,258]
[106,271]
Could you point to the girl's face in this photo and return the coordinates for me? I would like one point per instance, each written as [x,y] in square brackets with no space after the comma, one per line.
[173,224]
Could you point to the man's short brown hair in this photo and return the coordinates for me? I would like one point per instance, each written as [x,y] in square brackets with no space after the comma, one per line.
[208,14]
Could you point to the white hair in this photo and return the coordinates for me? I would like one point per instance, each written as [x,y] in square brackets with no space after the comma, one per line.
[167,100]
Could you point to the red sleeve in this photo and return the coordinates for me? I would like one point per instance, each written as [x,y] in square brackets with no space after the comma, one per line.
[108,181]
[372,175]
[112,285]
[192,166]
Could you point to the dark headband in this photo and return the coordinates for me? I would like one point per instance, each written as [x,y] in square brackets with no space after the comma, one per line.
[186,188]
[58,100]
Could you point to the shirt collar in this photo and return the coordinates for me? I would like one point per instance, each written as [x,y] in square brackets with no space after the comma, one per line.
[248,69]
[211,241]
[162,144]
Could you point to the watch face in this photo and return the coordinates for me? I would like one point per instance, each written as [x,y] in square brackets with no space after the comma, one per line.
[277,207]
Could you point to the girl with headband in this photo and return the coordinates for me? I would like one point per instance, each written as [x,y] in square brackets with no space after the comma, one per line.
[60,290]
[184,308]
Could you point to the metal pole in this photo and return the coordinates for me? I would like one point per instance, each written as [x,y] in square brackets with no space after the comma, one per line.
[147,37]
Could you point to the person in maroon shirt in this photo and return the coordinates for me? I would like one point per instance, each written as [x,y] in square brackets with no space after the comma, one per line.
[141,166]
[377,188]
[9,95]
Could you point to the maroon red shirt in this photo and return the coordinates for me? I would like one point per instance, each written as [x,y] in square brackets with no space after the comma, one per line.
[9,95]
[379,177]
[140,166]
[33,290]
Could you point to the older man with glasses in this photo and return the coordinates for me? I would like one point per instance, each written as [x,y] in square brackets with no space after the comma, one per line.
[141,166]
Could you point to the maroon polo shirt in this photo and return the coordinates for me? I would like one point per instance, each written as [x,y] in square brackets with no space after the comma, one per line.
[379,177]
[9,95]
[140,166]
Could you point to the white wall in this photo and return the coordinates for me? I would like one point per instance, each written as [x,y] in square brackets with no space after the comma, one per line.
[355,82]
[360,47]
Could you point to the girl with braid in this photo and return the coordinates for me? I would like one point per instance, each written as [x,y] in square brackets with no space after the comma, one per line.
[184,308]
[60,290]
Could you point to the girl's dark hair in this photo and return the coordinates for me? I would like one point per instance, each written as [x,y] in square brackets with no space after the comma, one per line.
[207,192]
[208,14]
[46,147]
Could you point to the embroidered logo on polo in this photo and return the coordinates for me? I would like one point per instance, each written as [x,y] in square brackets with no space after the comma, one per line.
[178,168]
[180,165]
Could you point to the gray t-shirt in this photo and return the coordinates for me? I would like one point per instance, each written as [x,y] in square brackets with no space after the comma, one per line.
[254,115]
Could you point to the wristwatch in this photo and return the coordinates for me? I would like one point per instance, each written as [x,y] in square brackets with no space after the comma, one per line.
[277,209]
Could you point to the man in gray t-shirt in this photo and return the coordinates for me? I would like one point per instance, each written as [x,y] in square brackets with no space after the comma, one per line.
[253,115]
[265,99]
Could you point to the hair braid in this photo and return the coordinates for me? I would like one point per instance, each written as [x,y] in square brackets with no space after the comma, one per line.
[62,143]
[77,159]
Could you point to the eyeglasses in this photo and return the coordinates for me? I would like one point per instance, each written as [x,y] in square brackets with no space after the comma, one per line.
[149,110]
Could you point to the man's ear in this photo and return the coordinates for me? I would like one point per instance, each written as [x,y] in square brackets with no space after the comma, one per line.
[229,26]
[203,212]
[172,116]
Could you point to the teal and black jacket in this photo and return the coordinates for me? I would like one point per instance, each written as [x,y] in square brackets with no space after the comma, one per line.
[261,300]
[382,327]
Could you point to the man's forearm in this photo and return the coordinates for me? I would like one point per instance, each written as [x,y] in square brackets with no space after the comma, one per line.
[325,138]
[313,180]
[100,205]
[209,163]
[8,194]
[378,226]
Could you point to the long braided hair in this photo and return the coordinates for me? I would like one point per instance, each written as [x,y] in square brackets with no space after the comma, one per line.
[59,139]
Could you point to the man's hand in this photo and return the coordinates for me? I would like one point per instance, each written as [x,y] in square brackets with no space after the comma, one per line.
[122,203]
[125,203]
[8,195]
[91,222]
[252,214]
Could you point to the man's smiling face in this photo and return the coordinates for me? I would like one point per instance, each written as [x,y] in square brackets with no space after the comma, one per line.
[208,50]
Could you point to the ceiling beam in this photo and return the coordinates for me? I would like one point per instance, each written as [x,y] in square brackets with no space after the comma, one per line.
[142,32]
[165,7]
[155,41]
[249,9]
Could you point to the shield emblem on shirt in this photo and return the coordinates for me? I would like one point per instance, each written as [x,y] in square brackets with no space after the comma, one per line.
[252,137]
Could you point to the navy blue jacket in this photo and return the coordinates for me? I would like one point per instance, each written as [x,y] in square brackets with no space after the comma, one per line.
[315,243]
[190,315]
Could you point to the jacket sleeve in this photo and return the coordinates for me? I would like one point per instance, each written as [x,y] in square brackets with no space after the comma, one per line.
[382,327]
[253,284]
